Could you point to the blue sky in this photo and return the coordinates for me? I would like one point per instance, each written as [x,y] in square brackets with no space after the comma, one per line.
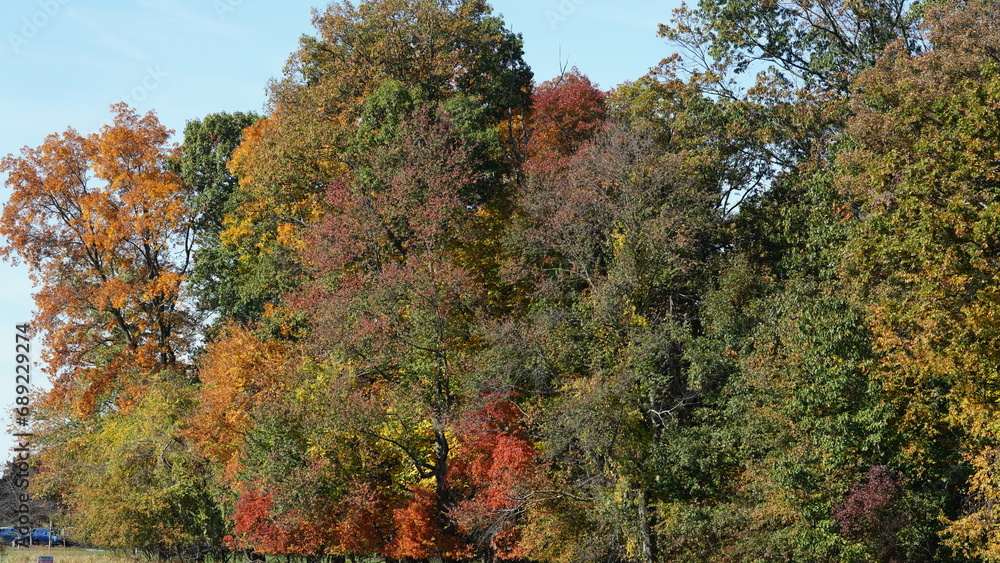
[66,61]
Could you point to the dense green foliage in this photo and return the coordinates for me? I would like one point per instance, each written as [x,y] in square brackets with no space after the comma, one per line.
[426,309]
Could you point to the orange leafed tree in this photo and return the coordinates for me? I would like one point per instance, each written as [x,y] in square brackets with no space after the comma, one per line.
[104,226]
[237,372]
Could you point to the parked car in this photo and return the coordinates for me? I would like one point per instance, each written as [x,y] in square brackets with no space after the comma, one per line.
[11,536]
[47,536]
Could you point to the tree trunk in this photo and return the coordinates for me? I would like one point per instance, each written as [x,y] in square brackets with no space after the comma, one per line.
[647,538]
[441,452]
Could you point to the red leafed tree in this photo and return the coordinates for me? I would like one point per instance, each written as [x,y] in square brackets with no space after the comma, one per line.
[390,300]
[567,111]
[498,463]
[419,530]
[104,227]
[874,512]
[292,518]
[365,518]
[252,519]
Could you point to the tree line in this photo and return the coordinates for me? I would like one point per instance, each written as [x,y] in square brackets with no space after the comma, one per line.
[743,308]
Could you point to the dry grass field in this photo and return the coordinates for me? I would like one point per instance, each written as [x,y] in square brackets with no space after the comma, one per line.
[61,555]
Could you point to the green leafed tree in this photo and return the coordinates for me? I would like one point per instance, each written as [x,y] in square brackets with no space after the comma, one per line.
[919,174]
[204,166]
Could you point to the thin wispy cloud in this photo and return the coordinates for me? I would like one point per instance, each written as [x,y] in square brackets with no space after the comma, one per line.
[113,32]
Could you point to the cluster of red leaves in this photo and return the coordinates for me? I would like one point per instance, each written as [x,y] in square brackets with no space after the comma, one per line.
[568,111]
[258,524]
[385,237]
[872,510]
[497,465]
[366,523]
[252,524]
[422,531]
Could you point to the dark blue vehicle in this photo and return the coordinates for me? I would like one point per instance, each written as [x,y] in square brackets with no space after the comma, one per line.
[11,536]
[47,536]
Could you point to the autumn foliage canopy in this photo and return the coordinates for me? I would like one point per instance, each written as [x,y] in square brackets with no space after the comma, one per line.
[742,308]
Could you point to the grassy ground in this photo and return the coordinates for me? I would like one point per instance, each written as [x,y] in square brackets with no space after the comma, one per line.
[79,555]
[61,555]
